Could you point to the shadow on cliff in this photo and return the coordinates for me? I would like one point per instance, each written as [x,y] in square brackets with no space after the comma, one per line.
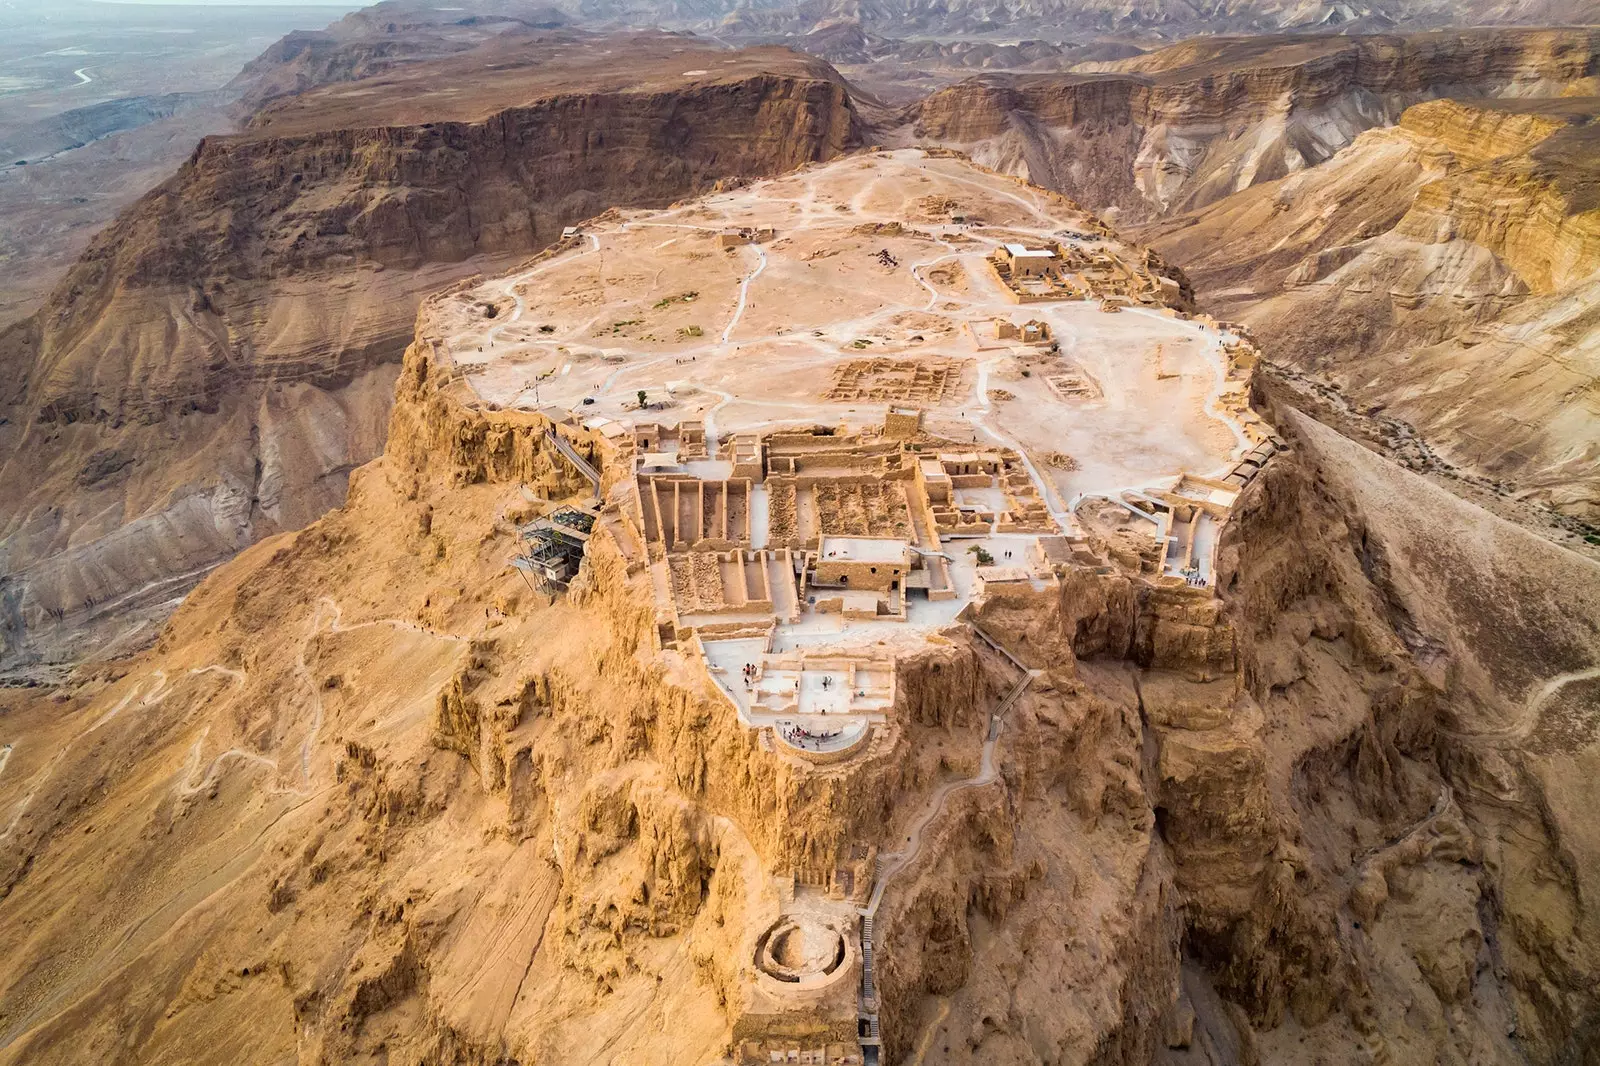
[223,356]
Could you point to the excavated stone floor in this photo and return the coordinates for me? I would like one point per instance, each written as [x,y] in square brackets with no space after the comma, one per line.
[818,299]
[752,337]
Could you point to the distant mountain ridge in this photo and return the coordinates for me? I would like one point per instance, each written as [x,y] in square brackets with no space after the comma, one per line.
[1170,17]
[224,354]
[1003,20]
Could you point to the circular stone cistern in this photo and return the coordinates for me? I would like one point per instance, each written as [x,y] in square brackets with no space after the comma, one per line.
[802,949]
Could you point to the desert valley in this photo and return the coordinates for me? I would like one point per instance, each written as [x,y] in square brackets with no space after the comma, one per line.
[1063,534]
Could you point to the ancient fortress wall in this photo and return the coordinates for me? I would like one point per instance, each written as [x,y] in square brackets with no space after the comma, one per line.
[818,818]
[794,817]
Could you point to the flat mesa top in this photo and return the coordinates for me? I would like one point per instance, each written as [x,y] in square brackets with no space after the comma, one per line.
[865,295]
[520,69]
[863,549]
[824,374]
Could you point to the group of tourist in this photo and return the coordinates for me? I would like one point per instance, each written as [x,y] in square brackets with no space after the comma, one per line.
[1193,576]
[801,737]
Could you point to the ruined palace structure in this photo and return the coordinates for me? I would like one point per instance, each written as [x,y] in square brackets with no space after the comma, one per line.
[813,448]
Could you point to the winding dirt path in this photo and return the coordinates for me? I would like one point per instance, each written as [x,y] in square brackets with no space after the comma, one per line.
[303,671]
[710,417]
[744,293]
[187,786]
[166,917]
[509,288]
[155,687]
[925,1041]
[147,698]
[894,862]
[1528,719]
[917,269]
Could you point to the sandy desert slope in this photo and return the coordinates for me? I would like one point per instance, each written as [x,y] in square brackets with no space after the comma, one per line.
[223,356]
[371,797]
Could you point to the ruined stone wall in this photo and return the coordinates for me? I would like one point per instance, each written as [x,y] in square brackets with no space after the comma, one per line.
[671,716]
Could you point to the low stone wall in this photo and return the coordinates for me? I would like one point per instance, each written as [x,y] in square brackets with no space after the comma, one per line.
[824,758]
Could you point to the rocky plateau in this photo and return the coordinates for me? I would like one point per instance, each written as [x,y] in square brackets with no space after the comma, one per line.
[299,769]
[370,798]
[223,355]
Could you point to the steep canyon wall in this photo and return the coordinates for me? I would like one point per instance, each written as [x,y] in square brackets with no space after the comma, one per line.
[1439,273]
[221,357]
[1311,802]
[1190,125]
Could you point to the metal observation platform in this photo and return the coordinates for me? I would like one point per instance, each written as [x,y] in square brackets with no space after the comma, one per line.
[555,545]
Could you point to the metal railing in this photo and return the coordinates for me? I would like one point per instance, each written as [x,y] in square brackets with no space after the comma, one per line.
[572,456]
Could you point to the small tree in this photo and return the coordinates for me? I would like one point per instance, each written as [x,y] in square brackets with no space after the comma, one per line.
[641,399]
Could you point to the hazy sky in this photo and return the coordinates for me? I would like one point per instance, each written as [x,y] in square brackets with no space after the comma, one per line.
[250,3]
[342,5]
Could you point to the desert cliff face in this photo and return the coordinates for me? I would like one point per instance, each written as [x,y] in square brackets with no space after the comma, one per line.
[1464,239]
[541,839]
[1437,804]
[221,357]
[1336,832]
[1189,125]
[1523,188]
[370,797]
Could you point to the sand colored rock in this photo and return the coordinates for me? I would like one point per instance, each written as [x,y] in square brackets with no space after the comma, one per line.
[372,796]
[1465,242]
[1184,127]
[236,330]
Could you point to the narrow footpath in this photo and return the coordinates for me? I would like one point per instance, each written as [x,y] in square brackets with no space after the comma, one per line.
[893,863]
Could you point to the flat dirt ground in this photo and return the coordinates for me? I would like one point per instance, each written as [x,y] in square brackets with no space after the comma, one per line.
[865,276]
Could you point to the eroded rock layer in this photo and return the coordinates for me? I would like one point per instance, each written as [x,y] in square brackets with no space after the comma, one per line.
[1440,274]
[222,356]
[1187,126]
[372,798]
